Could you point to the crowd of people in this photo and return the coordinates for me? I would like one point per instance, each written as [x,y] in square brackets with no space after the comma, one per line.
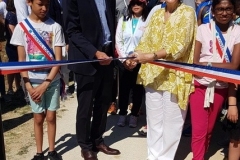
[205,33]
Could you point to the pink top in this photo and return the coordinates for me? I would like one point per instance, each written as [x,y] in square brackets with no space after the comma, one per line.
[204,35]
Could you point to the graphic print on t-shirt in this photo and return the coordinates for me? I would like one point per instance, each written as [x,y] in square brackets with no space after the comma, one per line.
[33,51]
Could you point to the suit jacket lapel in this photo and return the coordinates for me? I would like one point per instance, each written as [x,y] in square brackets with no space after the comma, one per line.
[94,8]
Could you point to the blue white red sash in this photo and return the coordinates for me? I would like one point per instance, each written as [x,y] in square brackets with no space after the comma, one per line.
[37,39]
[221,42]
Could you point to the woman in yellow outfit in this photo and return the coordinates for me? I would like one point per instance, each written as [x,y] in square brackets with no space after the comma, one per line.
[169,35]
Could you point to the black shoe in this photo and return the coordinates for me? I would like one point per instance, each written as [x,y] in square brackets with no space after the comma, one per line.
[38,156]
[53,156]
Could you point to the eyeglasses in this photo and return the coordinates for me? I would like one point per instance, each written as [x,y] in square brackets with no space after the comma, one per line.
[221,10]
[137,3]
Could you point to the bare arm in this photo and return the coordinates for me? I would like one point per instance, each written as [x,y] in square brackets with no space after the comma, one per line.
[232,103]
[234,64]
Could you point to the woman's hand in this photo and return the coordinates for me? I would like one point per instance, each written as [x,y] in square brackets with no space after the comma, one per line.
[232,114]
[144,57]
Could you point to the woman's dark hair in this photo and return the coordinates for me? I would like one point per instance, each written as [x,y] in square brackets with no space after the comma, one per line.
[130,12]
[216,2]
[10,6]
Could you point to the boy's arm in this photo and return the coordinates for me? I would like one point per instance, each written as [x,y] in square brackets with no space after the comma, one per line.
[22,58]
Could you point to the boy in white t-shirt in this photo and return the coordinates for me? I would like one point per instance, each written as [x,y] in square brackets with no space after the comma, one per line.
[43,85]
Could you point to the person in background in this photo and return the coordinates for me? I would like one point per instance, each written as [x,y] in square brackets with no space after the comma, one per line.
[129,32]
[152,3]
[23,10]
[209,95]
[167,90]
[3,13]
[43,85]
[203,11]
[56,13]
[189,3]
[90,26]
[237,19]
[11,50]
[121,10]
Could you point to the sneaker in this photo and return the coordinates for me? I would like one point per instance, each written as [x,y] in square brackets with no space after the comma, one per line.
[38,156]
[112,109]
[133,121]
[143,131]
[122,121]
[187,132]
[53,156]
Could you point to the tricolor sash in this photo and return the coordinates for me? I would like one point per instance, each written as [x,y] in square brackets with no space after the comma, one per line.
[221,43]
[37,39]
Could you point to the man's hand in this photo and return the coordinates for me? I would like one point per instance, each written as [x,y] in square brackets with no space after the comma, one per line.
[127,65]
[103,56]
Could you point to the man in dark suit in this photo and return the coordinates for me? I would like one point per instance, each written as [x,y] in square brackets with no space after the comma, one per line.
[90,26]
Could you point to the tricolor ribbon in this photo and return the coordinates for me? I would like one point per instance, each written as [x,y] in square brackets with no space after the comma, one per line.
[221,74]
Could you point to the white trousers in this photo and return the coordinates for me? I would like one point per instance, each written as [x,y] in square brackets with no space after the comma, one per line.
[164,124]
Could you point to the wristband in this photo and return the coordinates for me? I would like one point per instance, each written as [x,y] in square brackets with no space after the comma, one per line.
[232,105]
[48,80]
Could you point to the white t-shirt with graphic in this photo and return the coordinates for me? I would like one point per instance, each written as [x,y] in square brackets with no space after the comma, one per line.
[51,32]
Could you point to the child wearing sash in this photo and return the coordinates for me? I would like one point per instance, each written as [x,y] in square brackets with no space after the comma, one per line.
[38,38]
[217,44]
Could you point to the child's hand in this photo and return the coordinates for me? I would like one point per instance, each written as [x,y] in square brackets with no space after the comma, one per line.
[232,114]
[33,95]
[38,92]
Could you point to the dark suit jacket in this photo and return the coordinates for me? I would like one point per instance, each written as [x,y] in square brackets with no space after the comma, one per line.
[84,30]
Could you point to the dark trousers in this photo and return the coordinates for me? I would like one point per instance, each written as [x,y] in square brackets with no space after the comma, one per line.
[94,96]
[128,84]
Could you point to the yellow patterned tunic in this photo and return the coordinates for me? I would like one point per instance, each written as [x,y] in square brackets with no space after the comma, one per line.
[177,37]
